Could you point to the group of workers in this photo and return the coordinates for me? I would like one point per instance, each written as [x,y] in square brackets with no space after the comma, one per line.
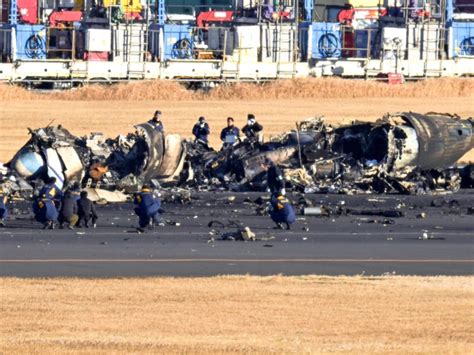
[74,208]
[281,212]
[230,135]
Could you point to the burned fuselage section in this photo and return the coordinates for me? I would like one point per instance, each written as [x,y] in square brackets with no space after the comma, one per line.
[402,152]
[392,154]
[94,161]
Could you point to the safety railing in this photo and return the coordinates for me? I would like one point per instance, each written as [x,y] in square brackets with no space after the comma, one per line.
[254,43]
[183,42]
[192,10]
[464,6]
[272,41]
[61,43]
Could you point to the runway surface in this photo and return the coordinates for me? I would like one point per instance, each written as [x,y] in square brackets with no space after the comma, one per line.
[440,244]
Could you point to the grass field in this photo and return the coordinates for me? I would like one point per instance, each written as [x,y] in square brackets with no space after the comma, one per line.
[117,117]
[311,314]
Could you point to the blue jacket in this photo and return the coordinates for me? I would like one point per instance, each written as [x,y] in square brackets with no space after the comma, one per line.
[282,211]
[3,207]
[44,207]
[45,210]
[147,205]
[50,192]
[275,179]
[157,126]
[201,132]
[230,135]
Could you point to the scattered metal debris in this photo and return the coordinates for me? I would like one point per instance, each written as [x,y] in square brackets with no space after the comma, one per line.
[406,153]
[243,234]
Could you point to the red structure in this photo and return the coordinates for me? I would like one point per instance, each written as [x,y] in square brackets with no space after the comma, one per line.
[215,17]
[59,18]
[28,11]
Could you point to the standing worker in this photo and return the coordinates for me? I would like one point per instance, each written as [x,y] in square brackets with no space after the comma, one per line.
[69,211]
[147,208]
[253,129]
[44,206]
[156,123]
[230,135]
[282,212]
[86,211]
[275,179]
[3,207]
[201,132]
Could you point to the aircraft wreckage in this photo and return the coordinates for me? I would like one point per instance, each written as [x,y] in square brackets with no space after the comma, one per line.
[402,152]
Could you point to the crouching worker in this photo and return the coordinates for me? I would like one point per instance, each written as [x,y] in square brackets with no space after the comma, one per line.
[86,211]
[147,208]
[282,212]
[44,207]
[68,213]
[3,207]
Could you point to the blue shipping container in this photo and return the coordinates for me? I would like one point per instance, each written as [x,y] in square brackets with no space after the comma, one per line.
[177,40]
[461,39]
[30,42]
[326,40]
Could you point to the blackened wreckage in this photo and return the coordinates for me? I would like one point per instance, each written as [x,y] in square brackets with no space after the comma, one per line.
[402,152]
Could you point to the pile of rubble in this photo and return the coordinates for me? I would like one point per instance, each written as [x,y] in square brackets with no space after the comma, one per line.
[401,153]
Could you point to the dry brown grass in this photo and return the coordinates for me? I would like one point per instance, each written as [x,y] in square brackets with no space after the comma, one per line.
[278,105]
[118,117]
[308,88]
[312,314]
[324,88]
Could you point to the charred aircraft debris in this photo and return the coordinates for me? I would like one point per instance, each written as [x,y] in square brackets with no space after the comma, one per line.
[406,153]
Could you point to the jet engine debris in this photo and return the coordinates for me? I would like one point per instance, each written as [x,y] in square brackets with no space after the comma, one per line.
[400,153]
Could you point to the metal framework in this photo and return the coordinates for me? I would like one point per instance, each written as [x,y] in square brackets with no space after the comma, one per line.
[283,49]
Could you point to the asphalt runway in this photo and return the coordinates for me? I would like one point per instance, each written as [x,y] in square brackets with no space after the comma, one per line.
[440,244]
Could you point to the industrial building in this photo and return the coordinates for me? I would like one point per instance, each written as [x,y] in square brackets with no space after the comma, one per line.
[71,42]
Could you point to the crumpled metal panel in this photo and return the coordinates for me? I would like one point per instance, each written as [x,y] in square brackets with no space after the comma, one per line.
[54,166]
[73,169]
[172,156]
[95,194]
[155,142]
[253,165]
[442,139]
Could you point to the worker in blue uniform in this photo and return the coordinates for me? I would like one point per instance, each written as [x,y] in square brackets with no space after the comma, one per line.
[230,135]
[156,122]
[46,203]
[201,132]
[282,212]
[3,207]
[275,179]
[147,208]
